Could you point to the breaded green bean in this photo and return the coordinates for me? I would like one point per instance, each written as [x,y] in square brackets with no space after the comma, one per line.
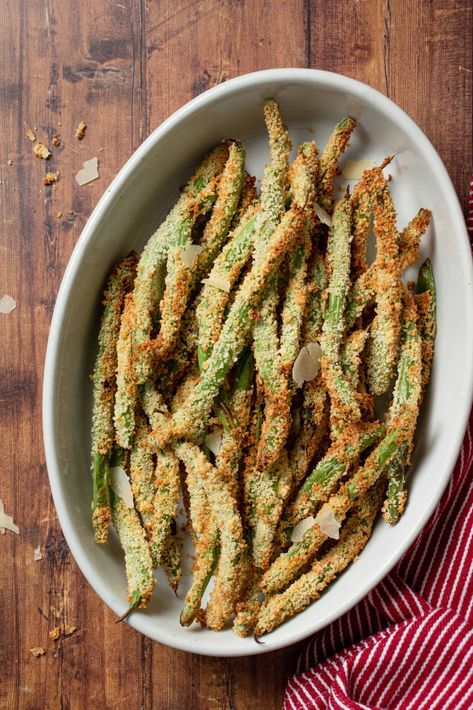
[165,504]
[402,418]
[410,237]
[396,496]
[425,299]
[316,285]
[328,164]
[248,608]
[125,398]
[344,406]
[382,347]
[206,542]
[308,587]
[119,283]
[196,199]
[138,563]
[350,355]
[142,477]
[274,360]
[248,197]
[313,427]
[172,562]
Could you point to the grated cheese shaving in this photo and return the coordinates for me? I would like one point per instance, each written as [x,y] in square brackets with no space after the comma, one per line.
[353,169]
[88,172]
[7,304]
[217,282]
[188,254]
[328,523]
[120,485]
[214,441]
[322,215]
[6,522]
[307,364]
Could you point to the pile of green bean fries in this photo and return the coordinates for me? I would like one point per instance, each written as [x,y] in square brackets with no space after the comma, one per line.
[240,359]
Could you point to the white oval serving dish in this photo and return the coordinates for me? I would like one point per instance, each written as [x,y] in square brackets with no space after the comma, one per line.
[135,203]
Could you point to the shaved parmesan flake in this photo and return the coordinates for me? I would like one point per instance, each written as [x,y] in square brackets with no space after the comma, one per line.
[214,441]
[6,522]
[88,172]
[7,304]
[353,169]
[120,484]
[217,282]
[302,527]
[307,364]
[188,254]
[328,523]
[37,554]
[322,215]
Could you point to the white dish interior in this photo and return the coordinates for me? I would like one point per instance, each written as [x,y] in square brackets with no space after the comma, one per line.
[136,202]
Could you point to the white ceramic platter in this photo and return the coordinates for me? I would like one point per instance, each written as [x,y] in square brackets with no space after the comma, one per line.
[131,208]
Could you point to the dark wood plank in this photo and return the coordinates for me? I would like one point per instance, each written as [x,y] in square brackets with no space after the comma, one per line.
[123,67]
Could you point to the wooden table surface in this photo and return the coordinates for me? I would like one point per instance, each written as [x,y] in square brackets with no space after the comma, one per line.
[123,67]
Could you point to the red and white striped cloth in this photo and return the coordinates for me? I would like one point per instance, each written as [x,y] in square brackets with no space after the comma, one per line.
[408,645]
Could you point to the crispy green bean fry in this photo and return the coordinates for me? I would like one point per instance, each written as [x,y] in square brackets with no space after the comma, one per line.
[119,283]
[138,563]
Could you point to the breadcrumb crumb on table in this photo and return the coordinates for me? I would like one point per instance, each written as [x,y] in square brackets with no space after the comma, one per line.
[41,151]
[51,178]
[10,163]
[37,651]
[81,129]
[55,633]
[56,140]
[31,135]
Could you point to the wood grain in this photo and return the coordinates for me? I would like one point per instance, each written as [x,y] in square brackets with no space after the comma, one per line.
[123,67]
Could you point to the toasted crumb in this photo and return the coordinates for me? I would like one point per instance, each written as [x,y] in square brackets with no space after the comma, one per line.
[10,162]
[69,630]
[31,135]
[41,151]
[50,178]
[55,633]
[56,140]
[37,554]
[59,215]
[80,132]
[37,651]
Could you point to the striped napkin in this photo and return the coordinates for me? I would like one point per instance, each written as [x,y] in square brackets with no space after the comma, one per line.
[408,645]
